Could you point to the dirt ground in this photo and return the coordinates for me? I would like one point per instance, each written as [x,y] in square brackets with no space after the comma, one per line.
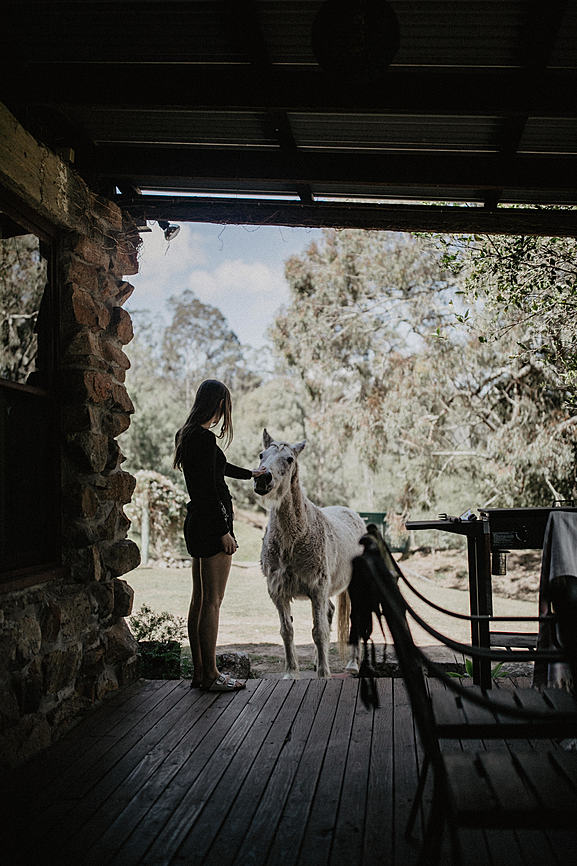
[249,621]
[448,568]
[440,575]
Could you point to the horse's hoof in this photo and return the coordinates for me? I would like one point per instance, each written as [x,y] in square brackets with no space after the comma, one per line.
[352,667]
[291,675]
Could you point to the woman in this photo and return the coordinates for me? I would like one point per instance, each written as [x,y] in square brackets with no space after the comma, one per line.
[208,528]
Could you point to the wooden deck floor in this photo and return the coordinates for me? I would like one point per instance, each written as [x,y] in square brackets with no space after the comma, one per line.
[281,773]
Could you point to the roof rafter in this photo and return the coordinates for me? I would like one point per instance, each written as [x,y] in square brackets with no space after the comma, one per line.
[478,220]
[158,165]
[244,88]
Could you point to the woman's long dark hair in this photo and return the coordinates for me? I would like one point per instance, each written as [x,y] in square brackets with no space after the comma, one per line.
[212,398]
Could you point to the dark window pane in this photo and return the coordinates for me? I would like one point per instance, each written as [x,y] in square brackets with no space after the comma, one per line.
[29,523]
[23,280]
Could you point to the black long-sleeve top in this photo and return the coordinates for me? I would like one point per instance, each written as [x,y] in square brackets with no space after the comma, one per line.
[204,467]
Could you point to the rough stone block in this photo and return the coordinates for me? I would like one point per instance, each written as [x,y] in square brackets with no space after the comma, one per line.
[126,258]
[123,598]
[50,619]
[29,687]
[80,418]
[121,325]
[29,636]
[25,738]
[121,557]
[102,599]
[237,664]
[80,500]
[9,706]
[89,450]
[79,533]
[84,563]
[121,398]
[120,643]
[61,668]
[107,682]
[128,671]
[82,274]
[125,290]
[88,311]
[119,487]
[76,614]
[112,353]
[106,214]
[99,386]
[114,423]
[92,251]
[83,344]
[115,456]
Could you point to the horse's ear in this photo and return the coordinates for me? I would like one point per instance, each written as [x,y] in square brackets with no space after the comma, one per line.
[266,439]
[299,446]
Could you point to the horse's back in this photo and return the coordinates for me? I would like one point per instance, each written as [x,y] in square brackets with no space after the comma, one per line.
[345,519]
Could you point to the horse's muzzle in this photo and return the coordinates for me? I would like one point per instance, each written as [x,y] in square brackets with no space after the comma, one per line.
[263,484]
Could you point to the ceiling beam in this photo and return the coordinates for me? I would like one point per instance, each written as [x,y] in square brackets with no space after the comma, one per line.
[478,220]
[177,87]
[544,22]
[247,35]
[158,166]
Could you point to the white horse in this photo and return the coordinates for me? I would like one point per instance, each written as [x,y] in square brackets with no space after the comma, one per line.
[307,552]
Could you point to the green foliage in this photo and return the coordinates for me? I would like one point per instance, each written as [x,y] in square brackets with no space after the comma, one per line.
[166,505]
[149,625]
[529,285]
[23,276]
[199,344]
[497,671]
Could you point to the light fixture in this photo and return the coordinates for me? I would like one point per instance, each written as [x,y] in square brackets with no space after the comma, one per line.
[170,229]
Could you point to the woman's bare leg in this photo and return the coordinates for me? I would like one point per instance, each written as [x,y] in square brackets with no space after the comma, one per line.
[193,621]
[214,572]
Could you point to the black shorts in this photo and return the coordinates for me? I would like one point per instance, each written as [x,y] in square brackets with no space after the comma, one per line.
[201,539]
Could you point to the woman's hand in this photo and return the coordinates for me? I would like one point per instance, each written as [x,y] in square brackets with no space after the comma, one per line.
[229,545]
[257,472]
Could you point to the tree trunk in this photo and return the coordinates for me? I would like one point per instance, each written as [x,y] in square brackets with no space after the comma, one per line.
[145,530]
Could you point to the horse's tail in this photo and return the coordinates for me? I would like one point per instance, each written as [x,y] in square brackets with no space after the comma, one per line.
[343,621]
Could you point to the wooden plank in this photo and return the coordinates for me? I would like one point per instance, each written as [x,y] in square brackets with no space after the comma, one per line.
[249,828]
[94,782]
[114,817]
[406,772]
[378,836]
[54,801]
[560,699]
[509,788]
[348,838]
[291,827]
[49,766]
[315,846]
[555,794]
[472,796]
[167,824]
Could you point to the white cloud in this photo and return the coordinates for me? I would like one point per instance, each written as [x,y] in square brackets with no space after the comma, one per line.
[164,268]
[248,294]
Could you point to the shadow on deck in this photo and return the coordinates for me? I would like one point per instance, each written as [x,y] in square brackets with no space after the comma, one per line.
[281,773]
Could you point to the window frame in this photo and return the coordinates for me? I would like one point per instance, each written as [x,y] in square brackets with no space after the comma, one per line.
[16,578]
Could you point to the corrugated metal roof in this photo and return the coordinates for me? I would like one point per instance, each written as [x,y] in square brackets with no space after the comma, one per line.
[227,96]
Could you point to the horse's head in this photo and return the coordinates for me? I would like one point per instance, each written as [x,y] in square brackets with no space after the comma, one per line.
[278,459]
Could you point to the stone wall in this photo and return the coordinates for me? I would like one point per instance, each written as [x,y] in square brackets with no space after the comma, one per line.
[64,643]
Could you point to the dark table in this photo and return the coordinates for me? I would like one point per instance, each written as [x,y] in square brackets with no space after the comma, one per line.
[495,530]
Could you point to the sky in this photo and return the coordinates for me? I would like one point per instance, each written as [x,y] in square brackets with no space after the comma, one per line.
[239,269]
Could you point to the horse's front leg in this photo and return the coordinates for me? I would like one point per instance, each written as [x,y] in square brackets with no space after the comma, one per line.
[287,634]
[321,632]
